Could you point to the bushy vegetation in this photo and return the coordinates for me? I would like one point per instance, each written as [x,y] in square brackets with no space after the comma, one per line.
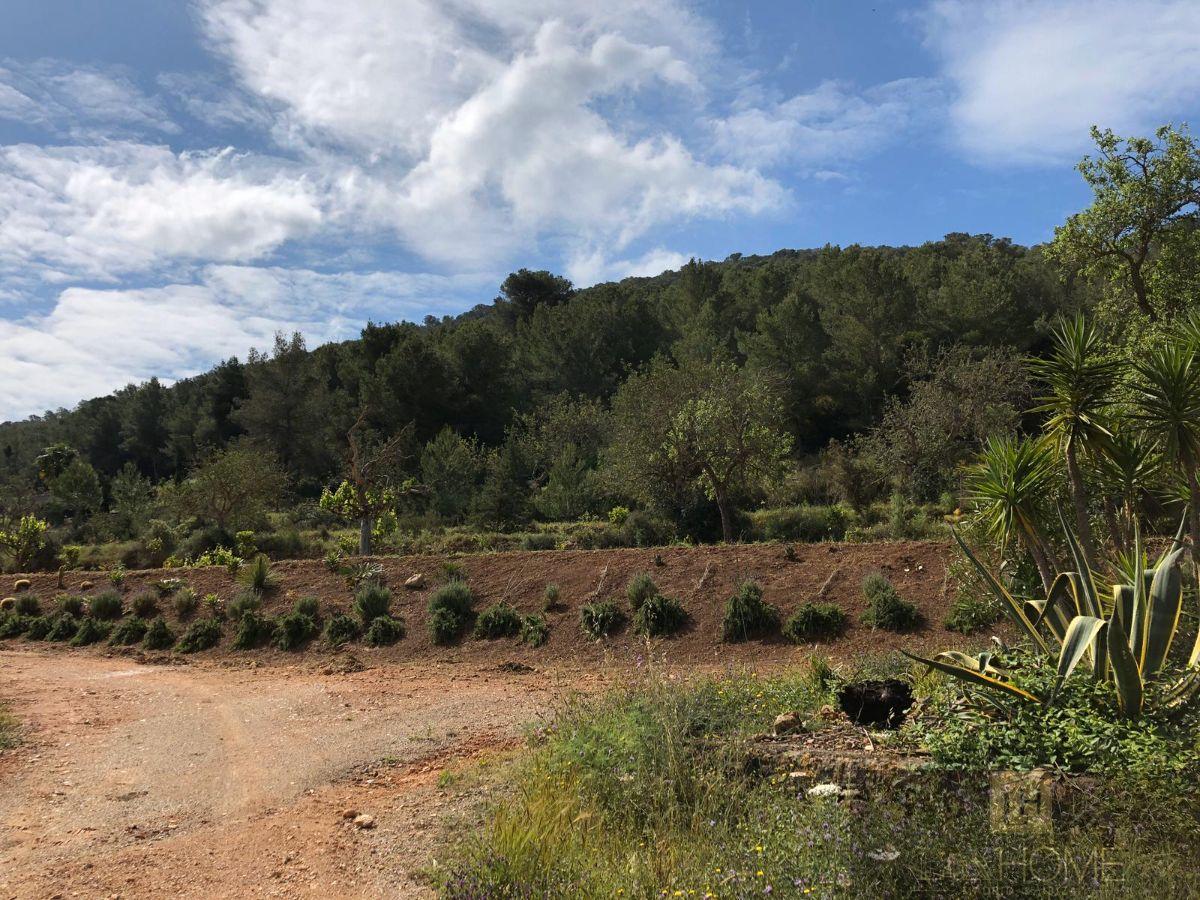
[385,630]
[71,606]
[601,618]
[551,598]
[38,628]
[129,632]
[247,601]
[159,635]
[144,605]
[185,603]
[203,634]
[886,609]
[659,616]
[641,588]
[747,615]
[90,631]
[500,620]
[257,576]
[535,631]
[340,629]
[814,622]
[253,631]
[294,630]
[27,605]
[372,601]
[450,609]
[106,605]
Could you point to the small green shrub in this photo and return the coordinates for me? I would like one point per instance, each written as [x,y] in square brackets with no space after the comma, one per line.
[385,630]
[14,625]
[214,606]
[258,576]
[308,606]
[144,605]
[129,632]
[253,631]
[340,629]
[600,619]
[333,560]
[186,603]
[63,629]
[747,615]
[539,541]
[202,634]
[801,523]
[499,620]
[658,616]
[159,635]
[452,571]
[972,612]
[28,605]
[450,609]
[814,622]
[534,630]
[116,575]
[106,605]
[641,588]
[168,586]
[885,608]
[550,598]
[72,606]
[90,631]
[39,627]
[247,601]
[294,630]
[372,601]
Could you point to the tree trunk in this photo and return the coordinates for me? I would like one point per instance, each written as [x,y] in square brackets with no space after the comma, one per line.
[1039,559]
[1140,292]
[1115,527]
[1079,502]
[364,535]
[726,517]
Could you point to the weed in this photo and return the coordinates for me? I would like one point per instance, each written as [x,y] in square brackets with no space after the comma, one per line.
[214,606]
[258,575]
[452,571]
[550,598]
[308,606]
[659,616]
[534,630]
[814,622]
[601,619]
[747,615]
[499,620]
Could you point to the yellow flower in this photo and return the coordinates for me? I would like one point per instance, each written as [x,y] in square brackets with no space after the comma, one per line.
[759,873]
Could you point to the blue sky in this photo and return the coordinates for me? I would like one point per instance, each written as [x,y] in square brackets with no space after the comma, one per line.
[180,178]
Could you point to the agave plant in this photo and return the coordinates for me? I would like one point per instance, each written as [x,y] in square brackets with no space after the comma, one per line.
[1125,641]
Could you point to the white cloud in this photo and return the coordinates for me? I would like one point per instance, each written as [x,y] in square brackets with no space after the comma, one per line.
[94,341]
[78,101]
[119,208]
[594,267]
[1032,77]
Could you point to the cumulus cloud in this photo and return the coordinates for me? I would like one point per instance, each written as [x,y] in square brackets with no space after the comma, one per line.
[94,341]
[1031,76]
[101,211]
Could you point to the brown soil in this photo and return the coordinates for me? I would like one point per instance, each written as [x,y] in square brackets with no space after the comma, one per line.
[229,776]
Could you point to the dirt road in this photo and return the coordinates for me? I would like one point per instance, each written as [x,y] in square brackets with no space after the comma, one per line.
[209,781]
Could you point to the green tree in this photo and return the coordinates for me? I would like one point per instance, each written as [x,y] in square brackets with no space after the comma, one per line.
[526,290]
[1141,230]
[132,498]
[144,428]
[502,501]
[450,469]
[77,490]
[233,488]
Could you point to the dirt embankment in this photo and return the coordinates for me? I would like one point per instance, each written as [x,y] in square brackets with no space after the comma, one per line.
[701,577]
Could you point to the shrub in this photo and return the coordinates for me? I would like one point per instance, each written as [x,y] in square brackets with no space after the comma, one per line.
[340,629]
[372,601]
[452,571]
[28,605]
[39,627]
[254,630]
[364,573]
[214,606]
[641,588]
[534,630]
[63,629]
[13,625]
[201,635]
[971,612]
[116,575]
[801,523]
[168,586]
[90,631]
[747,615]
[385,630]
[186,603]
[618,514]
[247,601]
[106,605]
[144,605]
[885,608]
[129,632]
[640,529]
[550,598]
[497,621]
[72,606]
[601,619]
[159,636]
[307,606]
[294,630]
[814,621]
[450,609]
[258,576]
[540,541]
[658,616]
[333,560]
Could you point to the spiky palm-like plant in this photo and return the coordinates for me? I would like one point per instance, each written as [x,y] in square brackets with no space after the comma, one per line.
[1078,385]
[1128,466]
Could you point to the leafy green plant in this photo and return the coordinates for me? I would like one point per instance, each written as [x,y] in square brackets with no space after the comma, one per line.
[106,605]
[450,609]
[203,634]
[90,631]
[659,616]
[129,632]
[452,571]
[258,576]
[185,603]
[294,630]
[168,586]
[116,575]
[498,621]
[159,635]
[340,629]
[214,606]
[534,630]
[63,629]
[814,622]
[886,609]
[551,598]
[14,625]
[601,618]
[254,630]
[72,606]
[385,630]
[144,605]
[38,627]
[248,600]
[333,560]
[372,601]
[27,605]
[747,615]
[641,588]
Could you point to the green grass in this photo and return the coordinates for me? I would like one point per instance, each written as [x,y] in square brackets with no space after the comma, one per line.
[9,730]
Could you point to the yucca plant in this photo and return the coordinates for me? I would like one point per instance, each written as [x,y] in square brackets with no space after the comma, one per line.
[1125,642]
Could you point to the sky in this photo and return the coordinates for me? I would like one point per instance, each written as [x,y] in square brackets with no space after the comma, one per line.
[179,179]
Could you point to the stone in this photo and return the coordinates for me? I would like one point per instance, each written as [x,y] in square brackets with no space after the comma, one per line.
[787,723]
[349,813]
[415,582]
[830,790]
[364,821]
[86,585]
